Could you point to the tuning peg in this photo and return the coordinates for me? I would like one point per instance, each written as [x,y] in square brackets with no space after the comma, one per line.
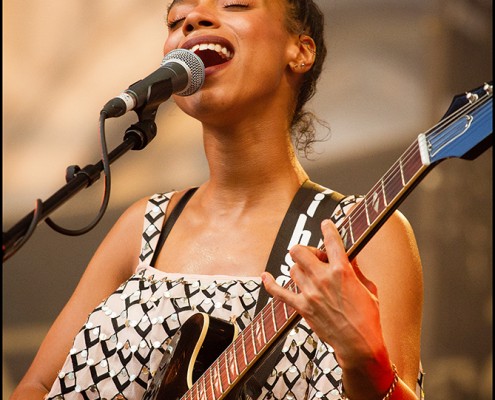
[488,88]
[472,97]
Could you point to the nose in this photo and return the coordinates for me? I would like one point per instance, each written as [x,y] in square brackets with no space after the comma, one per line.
[202,16]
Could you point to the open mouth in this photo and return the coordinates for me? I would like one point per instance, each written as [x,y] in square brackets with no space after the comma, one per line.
[212,53]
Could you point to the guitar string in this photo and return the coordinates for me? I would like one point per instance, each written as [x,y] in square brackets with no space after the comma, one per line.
[405,160]
[472,107]
[250,349]
[276,305]
[244,346]
[391,174]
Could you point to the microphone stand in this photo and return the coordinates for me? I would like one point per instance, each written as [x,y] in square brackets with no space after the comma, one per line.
[136,137]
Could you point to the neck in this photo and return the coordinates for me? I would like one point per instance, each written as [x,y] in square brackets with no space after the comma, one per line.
[246,160]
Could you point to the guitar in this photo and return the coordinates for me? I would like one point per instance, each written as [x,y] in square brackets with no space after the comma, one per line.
[209,359]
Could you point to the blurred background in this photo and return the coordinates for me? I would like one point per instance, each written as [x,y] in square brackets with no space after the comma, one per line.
[392,70]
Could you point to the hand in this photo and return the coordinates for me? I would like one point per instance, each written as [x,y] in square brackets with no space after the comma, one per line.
[336,300]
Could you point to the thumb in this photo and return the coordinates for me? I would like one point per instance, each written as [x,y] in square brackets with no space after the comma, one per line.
[365,281]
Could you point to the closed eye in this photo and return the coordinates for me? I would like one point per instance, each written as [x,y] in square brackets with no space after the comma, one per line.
[173,24]
[236,4]
[232,4]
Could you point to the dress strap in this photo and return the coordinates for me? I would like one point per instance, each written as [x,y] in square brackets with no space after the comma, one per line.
[169,223]
[153,221]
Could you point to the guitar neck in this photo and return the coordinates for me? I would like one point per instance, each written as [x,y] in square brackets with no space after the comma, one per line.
[447,139]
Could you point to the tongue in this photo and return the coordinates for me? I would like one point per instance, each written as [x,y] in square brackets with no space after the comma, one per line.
[210,58]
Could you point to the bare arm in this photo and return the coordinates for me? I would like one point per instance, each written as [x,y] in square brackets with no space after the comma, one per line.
[369,311]
[113,263]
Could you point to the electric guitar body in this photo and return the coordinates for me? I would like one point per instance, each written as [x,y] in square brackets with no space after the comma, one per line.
[193,349]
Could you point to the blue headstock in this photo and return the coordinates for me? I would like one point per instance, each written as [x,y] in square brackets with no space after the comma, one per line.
[466,129]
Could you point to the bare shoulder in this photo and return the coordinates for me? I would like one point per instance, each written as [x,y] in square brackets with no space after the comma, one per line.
[392,260]
[395,240]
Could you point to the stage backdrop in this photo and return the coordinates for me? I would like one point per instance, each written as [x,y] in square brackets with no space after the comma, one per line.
[392,70]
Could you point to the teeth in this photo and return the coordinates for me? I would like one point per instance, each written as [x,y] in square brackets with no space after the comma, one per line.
[223,51]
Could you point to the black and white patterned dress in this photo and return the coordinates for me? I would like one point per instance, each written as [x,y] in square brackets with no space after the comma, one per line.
[119,348]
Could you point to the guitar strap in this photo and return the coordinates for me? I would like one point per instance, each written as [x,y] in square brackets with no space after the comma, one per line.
[301,225]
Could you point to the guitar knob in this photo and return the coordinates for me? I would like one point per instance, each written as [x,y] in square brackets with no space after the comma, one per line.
[472,97]
[488,88]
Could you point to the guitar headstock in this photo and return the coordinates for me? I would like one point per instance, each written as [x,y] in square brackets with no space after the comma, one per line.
[466,129]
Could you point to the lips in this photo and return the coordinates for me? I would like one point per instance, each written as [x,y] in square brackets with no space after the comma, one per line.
[212,51]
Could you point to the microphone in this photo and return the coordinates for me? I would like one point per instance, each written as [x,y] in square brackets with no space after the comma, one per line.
[181,72]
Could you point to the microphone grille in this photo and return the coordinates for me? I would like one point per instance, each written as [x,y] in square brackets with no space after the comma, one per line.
[194,66]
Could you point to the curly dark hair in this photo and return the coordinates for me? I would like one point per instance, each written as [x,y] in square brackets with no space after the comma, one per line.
[305,17]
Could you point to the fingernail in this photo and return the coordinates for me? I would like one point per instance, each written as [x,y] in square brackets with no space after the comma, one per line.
[325,223]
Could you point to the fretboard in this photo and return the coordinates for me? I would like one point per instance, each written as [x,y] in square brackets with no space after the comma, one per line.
[369,213]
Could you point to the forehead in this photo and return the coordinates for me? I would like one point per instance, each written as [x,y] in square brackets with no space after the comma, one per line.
[173,3]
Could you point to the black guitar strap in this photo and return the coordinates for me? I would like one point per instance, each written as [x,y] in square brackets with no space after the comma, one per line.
[301,225]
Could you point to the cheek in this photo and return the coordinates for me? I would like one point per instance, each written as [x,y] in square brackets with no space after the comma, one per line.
[267,37]
[171,43]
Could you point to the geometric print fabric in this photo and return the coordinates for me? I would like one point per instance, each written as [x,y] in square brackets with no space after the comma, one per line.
[119,348]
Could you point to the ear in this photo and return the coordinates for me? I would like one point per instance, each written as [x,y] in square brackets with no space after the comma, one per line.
[303,55]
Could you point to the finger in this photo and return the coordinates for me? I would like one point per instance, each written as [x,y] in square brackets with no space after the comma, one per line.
[334,246]
[321,255]
[307,258]
[277,291]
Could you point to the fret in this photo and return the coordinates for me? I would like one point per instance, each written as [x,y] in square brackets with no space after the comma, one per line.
[368,221]
[413,164]
[286,312]
[351,231]
[248,341]
[268,322]
[288,309]
[257,338]
[273,315]
[253,339]
[393,184]
[383,192]
[205,389]
[202,391]
[224,381]
[374,204]
[358,221]
[226,367]
[280,318]
[402,172]
[346,237]
[212,385]
[262,323]
[217,380]
[196,387]
[232,363]
[243,350]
